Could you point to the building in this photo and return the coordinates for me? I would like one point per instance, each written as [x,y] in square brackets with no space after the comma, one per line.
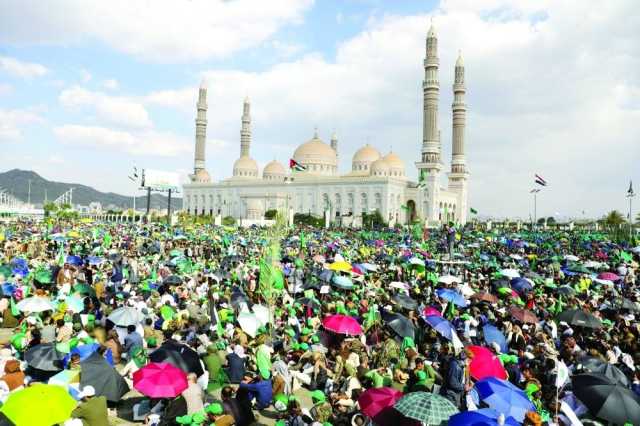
[375,182]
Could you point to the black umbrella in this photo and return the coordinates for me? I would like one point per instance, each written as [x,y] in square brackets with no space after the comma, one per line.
[566,290]
[326,275]
[306,301]
[404,301]
[579,318]
[625,303]
[499,283]
[97,372]
[400,324]
[607,400]
[44,357]
[172,280]
[598,366]
[178,355]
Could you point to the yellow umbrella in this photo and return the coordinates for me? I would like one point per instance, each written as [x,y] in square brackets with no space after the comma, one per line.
[73,234]
[39,405]
[340,266]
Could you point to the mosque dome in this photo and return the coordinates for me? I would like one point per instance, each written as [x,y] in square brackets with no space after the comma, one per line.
[317,157]
[245,167]
[363,158]
[274,170]
[396,165]
[380,168]
[201,176]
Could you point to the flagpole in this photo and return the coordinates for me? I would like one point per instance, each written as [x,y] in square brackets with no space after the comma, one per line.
[630,196]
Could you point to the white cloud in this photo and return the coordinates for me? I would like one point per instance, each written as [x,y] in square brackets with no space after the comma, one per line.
[110,84]
[286,50]
[21,69]
[164,31]
[5,89]
[148,143]
[116,110]
[12,122]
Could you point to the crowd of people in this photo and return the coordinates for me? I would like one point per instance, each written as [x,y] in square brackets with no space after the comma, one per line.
[202,325]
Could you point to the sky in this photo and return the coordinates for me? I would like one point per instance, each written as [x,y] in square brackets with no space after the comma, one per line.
[89,88]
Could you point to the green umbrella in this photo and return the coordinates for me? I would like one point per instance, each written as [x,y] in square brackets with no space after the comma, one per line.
[428,408]
[39,405]
[578,267]
[6,271]
[85,289]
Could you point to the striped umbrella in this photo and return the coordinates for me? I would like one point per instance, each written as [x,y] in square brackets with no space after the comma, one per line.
[428,408]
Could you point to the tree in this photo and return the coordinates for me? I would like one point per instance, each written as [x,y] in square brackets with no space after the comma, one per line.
[270,214]
[228,221]
[373,220]
[49,208]
[614,219]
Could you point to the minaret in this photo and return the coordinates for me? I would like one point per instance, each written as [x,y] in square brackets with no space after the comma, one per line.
[459,173]
[199,172]
[430,164]
[245,131]
[334,142]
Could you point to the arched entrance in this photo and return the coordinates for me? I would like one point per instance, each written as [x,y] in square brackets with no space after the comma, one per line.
[411,211]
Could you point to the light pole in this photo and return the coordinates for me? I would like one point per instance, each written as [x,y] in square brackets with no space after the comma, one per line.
[535,207]
[630,195]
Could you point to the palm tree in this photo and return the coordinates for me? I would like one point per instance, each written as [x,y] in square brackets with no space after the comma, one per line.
[614,219]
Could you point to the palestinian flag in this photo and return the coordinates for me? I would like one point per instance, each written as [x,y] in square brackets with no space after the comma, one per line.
[295,166]
[540,181]
[630,192]
[422,179]
[473,211]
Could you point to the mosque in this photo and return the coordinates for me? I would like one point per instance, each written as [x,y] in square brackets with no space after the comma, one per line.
[375,181]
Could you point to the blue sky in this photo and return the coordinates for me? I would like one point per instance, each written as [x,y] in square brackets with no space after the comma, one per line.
[88,88]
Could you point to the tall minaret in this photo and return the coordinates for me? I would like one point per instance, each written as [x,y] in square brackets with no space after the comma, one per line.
[334,142]
[430,164]
[199,172]
[459,174]
[245,131]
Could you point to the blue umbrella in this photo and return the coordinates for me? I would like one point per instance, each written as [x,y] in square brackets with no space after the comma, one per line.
[492,334]
[521,285]
[452,296]
[326,275]
[481,417]
[440,325]
[95,260]
[84,351]
[74,260]
[504,397]
[342,282]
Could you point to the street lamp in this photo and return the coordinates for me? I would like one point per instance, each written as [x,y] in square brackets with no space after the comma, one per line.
[535,206]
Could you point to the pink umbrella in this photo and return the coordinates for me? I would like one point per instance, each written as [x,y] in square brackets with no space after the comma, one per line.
[342,324]
[608,276]
[485,364]
[373,401]
[160,380]
[430,310]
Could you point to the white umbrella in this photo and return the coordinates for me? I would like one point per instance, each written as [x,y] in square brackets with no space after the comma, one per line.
[416,261]
[603,282]
[592,264]
[636,250]
[249,323]
[448,279]
[510,273]
[35,304]
[399,285]
[465,290]
[572,257]
[369,267]
[515,256]
[125,316]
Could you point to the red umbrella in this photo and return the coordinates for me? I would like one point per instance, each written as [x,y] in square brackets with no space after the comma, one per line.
[342,324]
[485,363]
[373,401]
[523,315]
[160,380]
[430,310]
[608,276]
[485,297]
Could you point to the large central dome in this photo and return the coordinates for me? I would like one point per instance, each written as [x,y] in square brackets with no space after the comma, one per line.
[318,157]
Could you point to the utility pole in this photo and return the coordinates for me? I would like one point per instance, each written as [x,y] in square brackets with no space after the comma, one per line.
[29,193]
[630,195]
[535,207]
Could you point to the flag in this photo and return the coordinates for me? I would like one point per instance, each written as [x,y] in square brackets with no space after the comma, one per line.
[540,181]
[404,207]
[473,211]
[61,257]
[106,240]
[562,373]
[630,192]
[294,165]
[422,179]
[303,241]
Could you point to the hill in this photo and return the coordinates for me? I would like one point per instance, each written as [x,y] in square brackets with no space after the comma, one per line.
[17,182]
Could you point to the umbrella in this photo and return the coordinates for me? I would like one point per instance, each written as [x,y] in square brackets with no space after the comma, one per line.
[429,408]
[566,290]
[579,318]
[523,315]
[481,417]
[35,304]
[373,401]
[493,335]
[448,279]
[441,325]
[607,400]
[369,267]
[311,303]
[249,323]
[74,304]
[74,260]
[85,351]
[452,296]
[325,275]
[399,285]
[502,282]
[625,303]
[160,380]
[342,324]
[609,276]
[94,260]
[521,285]
[172,280]
[319,258]
[39,405]
[97,372]
[84,289]
[262,313]
[44,357]
[510,273]
[430,310]
[400,324]
[504,397]
[483,296]
[598,366]
[404,301]
[340,266]
[125,316]
[342,282]
[178,355]
[485,363]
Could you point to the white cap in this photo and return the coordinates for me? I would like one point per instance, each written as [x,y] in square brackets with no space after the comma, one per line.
[87,391]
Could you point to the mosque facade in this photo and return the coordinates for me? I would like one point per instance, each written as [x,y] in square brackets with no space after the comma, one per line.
[376,181]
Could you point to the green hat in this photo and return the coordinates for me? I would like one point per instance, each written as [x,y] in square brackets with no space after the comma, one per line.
[317,396]
[306,331]
[198,418]
[315,339]
[281,423]
[214,408]
[290,332]
[184,420]
[304,346]
[152,341]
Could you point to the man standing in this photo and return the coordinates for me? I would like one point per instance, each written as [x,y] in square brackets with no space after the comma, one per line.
[133,340]
[92,409]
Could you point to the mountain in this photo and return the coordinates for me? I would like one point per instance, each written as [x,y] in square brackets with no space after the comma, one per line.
[17,182]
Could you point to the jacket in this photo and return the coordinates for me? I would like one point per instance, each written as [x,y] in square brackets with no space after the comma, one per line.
[92,412]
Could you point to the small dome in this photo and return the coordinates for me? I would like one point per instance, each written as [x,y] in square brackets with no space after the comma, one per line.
[363,158]
[317,157]
[380,168]
[245,167]
[396,165]
[201,176]
[274,170]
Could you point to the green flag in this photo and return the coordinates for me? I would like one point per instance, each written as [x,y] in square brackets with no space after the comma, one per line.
[473,211]
[106,240]
[14,309]
[303,241]
[422,179]
[61,257]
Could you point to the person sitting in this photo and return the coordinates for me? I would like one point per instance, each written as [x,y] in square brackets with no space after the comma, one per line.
[260,389]
[193,394]
[92,409]
[132,341]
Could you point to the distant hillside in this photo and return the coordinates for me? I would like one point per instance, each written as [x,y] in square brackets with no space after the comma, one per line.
[17,182]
